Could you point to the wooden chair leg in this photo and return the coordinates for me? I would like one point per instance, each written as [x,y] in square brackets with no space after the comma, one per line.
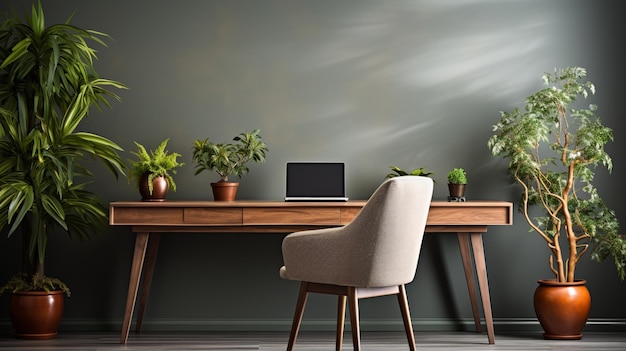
[353,302]
[406,317]
[297,317]
[341,316]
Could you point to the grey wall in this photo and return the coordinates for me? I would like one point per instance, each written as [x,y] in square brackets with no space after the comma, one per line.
[411,83]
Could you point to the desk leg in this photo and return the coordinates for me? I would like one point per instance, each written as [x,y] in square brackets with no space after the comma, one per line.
[141,243]
[468,267]
[481,272]
[153,247]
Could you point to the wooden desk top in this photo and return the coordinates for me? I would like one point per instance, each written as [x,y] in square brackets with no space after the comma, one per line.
[280,216]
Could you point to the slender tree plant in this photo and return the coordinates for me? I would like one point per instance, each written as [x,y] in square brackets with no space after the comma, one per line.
[553,149]
[48,85]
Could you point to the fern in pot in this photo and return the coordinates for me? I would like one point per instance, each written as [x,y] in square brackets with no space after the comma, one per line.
[152,171]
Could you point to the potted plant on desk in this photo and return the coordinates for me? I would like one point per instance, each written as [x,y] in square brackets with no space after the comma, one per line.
[399,172]
[151,171]
[457,180]
[228,159]
[47,86]
[574,216]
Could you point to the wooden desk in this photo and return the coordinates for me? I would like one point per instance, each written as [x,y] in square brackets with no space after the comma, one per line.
[148,219]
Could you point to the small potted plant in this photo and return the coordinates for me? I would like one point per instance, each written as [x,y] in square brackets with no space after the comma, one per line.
[398,172]
[228,159]
[151,171]
[457,179]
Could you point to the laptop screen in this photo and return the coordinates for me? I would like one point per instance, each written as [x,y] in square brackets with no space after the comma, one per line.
[315,181]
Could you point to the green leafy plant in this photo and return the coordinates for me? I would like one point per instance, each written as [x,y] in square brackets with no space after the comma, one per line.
[159,162]
[457,176]
[227,159]
[47,87]
[37,282]
[553,149]
[398,172]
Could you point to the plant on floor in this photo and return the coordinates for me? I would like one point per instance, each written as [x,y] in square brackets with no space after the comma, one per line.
[47,87]
[227,159]
[159,162]
[574,216]
[38,282]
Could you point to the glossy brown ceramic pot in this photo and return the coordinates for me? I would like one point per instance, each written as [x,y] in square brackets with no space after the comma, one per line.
[224,191]
[36,314]
[160,187]
[562,308]
[456,190]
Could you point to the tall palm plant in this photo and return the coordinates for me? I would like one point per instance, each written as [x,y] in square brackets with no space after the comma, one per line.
[47,86]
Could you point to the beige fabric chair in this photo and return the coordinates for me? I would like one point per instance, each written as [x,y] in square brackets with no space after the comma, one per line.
[374,255]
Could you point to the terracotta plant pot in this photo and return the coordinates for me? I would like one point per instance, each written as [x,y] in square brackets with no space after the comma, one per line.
[36,314]
[224,191]
[562,308]
[160,187]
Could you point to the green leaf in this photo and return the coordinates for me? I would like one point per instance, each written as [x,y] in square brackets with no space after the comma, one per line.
[48,87]
[553,150]
[19,50]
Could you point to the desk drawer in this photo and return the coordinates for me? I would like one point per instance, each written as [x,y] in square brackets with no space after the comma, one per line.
[145,215]
[468,215]
[214,216]
[292,215]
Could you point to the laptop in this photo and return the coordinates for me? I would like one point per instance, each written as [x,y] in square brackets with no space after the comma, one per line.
[316,181]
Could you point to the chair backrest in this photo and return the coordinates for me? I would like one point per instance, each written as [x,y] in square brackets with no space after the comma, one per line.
[387,234]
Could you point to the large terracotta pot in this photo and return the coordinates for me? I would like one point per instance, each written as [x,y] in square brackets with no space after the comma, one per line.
[36,314]
[562,308]
[224,191]
[160,187]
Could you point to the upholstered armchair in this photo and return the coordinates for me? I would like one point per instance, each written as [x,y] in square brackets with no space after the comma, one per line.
[374,255]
